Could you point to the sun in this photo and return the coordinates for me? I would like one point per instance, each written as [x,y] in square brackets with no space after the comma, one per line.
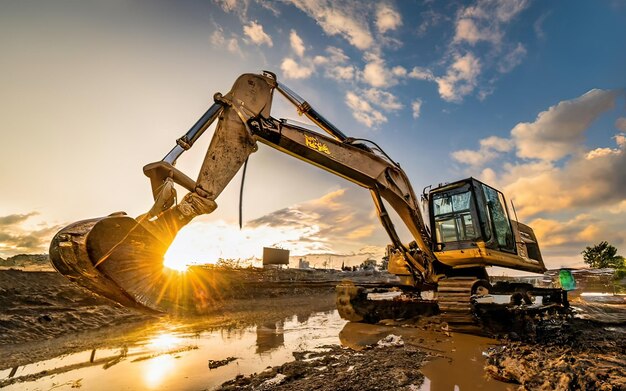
[208,242]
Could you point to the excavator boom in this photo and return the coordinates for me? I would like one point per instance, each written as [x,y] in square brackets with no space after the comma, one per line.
[122,258]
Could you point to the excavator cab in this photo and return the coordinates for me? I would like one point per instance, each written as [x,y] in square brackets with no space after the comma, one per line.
[471,223]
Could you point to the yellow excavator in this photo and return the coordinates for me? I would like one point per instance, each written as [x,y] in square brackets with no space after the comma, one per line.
[468,225]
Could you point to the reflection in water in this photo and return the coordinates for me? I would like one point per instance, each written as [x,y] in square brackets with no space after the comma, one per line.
[157,369]
[175,355]
[164,341]
[269,336]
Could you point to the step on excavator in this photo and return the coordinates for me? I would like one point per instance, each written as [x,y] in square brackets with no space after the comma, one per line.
[442,271]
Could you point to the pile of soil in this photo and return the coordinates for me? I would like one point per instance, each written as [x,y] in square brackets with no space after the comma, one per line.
[566,354]
[45,305]
[391,366]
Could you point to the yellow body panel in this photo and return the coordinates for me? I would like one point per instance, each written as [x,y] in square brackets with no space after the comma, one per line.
[482,256]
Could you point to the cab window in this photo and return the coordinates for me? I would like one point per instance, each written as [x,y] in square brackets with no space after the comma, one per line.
[453,217]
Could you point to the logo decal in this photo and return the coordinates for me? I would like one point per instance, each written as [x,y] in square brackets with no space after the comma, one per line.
[315,144]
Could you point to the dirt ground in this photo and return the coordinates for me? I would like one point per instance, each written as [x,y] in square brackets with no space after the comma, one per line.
[337,368]
[42,316]
[570,354]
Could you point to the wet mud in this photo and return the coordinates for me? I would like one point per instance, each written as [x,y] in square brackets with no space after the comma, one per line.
[567,354]
[287,335]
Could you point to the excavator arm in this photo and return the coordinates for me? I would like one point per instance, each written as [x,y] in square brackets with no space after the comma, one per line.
[121,258]
[244,120]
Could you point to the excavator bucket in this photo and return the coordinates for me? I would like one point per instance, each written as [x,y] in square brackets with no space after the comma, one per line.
[117,257]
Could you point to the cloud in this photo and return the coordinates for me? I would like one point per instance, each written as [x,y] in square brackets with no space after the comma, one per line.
[416,107]
[484,21]
[296,43]
[583,181]
[337,221]
[620,124]
[490,148]
[292,70]
[467,30]
[512,59]
[15,238]
[363,111]
[387,18]
[238,7]
[231,5]
[421,74]
[336,65]
[343,18]
[554,170]
[9,220]
[383,99]
[573,195]
[430,18]
[231,44]
[558,131]
[538,26]
[460,79]
[255,32]
[377,74]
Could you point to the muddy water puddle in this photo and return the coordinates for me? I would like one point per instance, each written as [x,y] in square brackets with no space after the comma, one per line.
[458,362]
[171,357]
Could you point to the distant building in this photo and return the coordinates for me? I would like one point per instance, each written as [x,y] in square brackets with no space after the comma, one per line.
[303,264]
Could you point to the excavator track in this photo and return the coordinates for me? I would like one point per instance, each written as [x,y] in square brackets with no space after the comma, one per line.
[357,303]
[454,297]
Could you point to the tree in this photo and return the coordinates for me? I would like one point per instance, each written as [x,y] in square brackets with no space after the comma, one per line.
[603,255]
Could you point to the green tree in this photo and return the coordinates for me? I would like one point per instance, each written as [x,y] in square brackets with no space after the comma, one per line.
[603,255]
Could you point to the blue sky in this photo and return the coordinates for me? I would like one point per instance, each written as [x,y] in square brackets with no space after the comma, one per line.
[526,95]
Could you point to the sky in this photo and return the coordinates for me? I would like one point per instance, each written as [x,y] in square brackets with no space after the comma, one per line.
[527,96]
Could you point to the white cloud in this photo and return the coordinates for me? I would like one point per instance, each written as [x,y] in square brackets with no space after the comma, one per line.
[346,19]
[376,73]
[416,107]
[466,30]
[497,144]
[296,43]
[558,131]
[421,74]
[339,72]
[484,21]
[490,148]
[399,71]
[292,70]
[387,18]
[335,64]
[255,32]
[460,79]
[231,44]
[512,59]
[383,99]
[363,112]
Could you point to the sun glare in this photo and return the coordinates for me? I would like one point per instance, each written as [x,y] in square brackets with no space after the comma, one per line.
[157,369]
[164,341]
[206,243]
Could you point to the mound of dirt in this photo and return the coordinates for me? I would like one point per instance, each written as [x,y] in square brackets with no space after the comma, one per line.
[44,305]
[569,354]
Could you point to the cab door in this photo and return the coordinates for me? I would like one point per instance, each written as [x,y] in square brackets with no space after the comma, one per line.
[499,219]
